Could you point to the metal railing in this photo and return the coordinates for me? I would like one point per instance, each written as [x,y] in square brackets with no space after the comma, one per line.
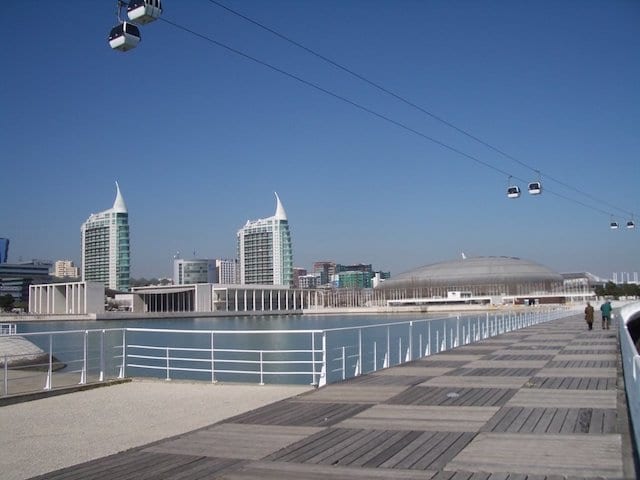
[8,328]
[317,357]
[630,314]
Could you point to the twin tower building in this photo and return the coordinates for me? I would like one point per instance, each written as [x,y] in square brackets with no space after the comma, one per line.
[265,255]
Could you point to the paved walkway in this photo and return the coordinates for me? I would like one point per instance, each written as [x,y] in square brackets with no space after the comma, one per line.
[540,403]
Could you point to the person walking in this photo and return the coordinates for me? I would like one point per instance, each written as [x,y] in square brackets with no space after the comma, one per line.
[588,315]
[605,309]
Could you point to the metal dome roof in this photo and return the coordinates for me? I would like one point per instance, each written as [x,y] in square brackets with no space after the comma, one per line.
[476,270]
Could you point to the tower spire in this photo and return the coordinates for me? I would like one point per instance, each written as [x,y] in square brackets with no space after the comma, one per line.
[119,205]
[280,213]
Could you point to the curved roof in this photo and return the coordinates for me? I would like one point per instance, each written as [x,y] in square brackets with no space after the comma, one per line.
[476,271]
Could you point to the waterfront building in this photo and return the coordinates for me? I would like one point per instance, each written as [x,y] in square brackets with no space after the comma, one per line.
[265,253]
[65,268]
[105,246]
[354,279]
[326,269]
[493,280]
[15,278]
[309,281]
[75,298]
[297,273]
[4,250]
[227,271]
[187,272]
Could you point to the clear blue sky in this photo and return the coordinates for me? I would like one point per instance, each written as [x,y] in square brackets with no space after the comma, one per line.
[200,138]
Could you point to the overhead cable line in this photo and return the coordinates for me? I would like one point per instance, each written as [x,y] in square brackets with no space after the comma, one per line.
[414,105]
[366,109]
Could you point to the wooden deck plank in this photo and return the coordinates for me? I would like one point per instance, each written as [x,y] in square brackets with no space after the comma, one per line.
[578,455]
[419,417]
[578,372]
[564,398]
[476,382]
[296,471]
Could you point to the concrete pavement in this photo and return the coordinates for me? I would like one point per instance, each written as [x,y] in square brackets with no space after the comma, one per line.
[50,433]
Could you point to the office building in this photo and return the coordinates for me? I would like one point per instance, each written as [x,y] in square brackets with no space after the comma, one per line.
[226,271]
[264,250]
[297,273]
[16,278]
[189,272]
[326,269]
[65,268]
[105,246]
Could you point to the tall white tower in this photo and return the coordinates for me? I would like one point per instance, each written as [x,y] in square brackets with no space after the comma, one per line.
[265,253]
[105,246]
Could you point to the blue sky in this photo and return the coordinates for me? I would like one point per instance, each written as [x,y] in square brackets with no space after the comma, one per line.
[199,138]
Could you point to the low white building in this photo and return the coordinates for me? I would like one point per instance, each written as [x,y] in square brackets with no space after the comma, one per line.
[75,298]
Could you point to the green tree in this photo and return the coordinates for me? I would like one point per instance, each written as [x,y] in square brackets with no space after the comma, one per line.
[6,302]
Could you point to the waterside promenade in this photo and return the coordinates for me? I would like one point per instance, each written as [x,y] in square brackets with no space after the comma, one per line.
[545,402]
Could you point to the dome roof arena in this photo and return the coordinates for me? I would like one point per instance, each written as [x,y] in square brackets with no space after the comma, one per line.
[481,275]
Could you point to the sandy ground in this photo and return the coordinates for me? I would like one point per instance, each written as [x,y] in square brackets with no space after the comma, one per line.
[51,433]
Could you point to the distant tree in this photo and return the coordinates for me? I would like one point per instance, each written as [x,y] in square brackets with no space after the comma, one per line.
[6,302]
[611,290]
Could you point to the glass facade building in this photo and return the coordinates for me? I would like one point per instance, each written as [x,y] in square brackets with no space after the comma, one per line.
[105,246]
[188,272]
[265,253]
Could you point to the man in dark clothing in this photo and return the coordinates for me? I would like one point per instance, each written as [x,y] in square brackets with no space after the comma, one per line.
[605,309]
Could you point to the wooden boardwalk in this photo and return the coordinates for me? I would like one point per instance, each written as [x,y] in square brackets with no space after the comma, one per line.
[540,403]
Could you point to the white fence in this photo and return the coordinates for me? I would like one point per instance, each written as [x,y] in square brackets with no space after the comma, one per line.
[259,356]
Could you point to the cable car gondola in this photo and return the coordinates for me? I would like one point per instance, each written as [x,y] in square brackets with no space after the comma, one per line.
[513,191]
[631,224]
[535,188]
[613,225]
[144,11]
[124,37]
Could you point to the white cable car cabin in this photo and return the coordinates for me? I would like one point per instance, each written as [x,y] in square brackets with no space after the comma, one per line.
[535,188]
[124,37]
[513,191]
[144,11]
[613,225]
[631,224]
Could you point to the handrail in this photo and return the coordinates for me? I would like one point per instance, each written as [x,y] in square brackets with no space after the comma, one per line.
[323,356]
[629,328]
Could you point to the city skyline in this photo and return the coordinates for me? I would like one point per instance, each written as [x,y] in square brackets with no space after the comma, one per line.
[198,137]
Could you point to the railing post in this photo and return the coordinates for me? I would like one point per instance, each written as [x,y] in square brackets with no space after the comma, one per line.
[83,373]
[6,375]
[124,353]
[213,362]
[388,355]
[49,382]
[167,357]
[261,368]
[360,348]
[313,359]
[375,356]
[410,349]
[344,363]
[323,373]
[102,356]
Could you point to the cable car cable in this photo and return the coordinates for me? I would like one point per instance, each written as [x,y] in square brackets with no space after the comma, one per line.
[366,109]
[417,107]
